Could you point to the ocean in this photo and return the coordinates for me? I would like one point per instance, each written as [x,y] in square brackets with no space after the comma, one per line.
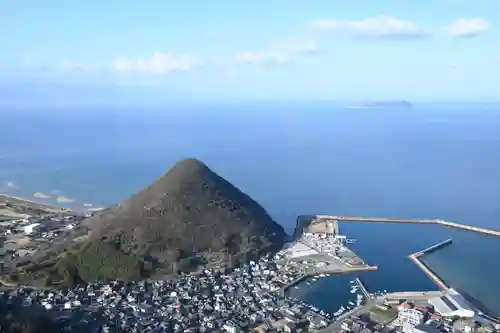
[433,161]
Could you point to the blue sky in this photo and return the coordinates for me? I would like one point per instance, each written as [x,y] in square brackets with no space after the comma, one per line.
[285,50]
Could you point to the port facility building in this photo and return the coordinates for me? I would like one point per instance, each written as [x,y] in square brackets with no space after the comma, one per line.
[452,304]
[298,249]
[31,228]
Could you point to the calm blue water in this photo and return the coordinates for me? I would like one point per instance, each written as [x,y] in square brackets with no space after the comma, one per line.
[434,161]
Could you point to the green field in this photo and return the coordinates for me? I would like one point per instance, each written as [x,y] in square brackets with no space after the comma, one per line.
[383,316]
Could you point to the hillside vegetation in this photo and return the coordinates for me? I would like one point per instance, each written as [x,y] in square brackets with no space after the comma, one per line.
[189,218]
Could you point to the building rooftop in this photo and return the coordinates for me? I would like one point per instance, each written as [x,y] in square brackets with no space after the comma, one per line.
[452,304]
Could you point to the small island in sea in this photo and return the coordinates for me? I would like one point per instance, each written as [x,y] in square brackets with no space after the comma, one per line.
[382,105]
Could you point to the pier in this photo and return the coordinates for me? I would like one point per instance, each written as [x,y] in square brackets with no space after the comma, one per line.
[444,223]
[363,289]
[311,273]
[415,257]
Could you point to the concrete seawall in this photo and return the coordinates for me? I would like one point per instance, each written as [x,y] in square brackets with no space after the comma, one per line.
[415,257]
[339,271]
[429,273]
[433,248]
[450,224]
[375,219]
[469,228]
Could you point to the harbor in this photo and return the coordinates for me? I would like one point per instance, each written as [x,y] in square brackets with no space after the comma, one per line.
[352,296]
[323,257]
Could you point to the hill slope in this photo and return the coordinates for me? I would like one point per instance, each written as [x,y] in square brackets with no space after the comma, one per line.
[187,218]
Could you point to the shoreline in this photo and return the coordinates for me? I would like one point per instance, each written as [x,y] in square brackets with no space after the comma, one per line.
[61,204]
[31,201]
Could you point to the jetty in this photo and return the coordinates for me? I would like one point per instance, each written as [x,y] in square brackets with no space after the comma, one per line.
[363,289]
[415,257]
[486,231]
[433,248]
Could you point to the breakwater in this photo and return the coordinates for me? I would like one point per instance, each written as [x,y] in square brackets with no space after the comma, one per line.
[374,219]
[444,223]
[468,227]
[415,257]
[433,247]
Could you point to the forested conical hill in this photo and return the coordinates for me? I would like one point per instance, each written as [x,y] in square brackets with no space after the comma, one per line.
[187,219]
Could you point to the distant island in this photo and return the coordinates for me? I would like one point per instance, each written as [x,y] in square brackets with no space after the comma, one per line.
[382,105]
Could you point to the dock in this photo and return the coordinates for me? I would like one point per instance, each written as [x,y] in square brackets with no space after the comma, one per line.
[311,273]
[363,289]
[444,223]
[415,257]
[299,279]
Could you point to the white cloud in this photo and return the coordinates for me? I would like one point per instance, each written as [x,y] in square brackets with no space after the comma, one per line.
[280,53]
[297,46]
[377,27]
[67,65]
[159,63]
[261,57]
[467,28]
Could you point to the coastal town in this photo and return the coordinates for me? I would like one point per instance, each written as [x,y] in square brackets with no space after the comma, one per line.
[251,298]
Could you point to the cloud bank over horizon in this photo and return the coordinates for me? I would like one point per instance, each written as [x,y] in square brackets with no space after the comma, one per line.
[383,27]
[258,50]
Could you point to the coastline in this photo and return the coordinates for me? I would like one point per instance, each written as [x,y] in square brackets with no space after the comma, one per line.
[31,201]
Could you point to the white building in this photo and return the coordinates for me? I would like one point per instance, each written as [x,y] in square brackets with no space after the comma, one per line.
[411,316]
[298,249]
[30,228]
[452,304]
[230,327]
